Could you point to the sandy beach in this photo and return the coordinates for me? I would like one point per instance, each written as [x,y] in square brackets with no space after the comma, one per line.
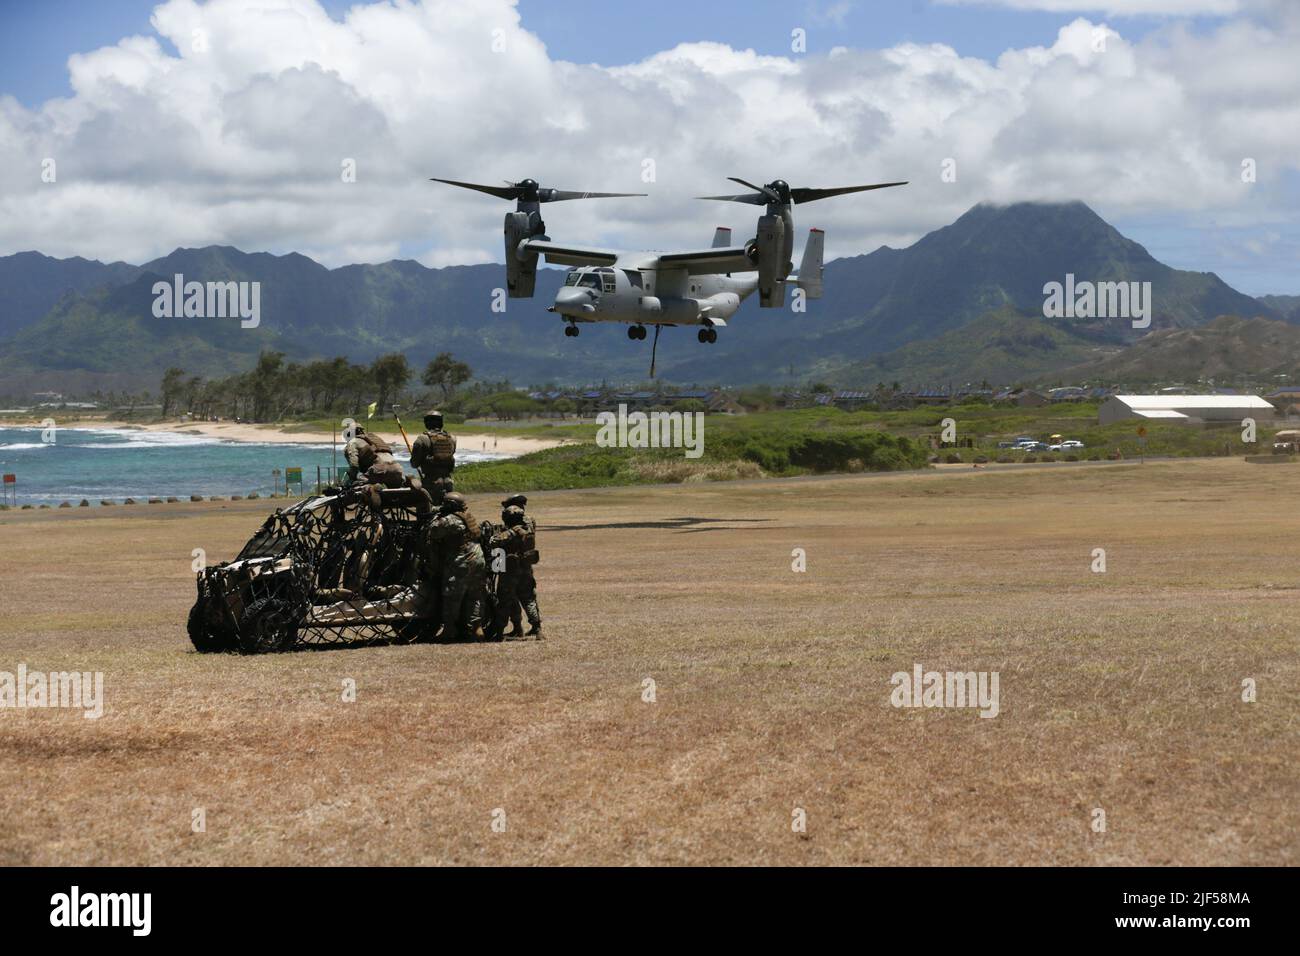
[297,434]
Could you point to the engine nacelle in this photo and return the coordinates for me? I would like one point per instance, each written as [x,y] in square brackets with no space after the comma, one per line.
[768,253]
[521,270]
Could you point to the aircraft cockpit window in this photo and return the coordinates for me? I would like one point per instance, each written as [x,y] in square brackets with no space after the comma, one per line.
[589,280]
[571,278]
[607,279]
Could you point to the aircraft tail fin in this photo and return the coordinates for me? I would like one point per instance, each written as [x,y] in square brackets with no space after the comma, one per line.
[809,277]
[722,237]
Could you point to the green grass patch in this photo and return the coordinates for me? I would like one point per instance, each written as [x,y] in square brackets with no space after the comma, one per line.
[733,448]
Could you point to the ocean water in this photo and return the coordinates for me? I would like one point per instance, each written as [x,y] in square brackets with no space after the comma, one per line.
[117,463]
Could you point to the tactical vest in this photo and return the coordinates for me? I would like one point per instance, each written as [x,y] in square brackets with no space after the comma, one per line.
[471,528]
[513,543]
[371,447]
[440,458]
[441,447]
[449,547]
[527,554]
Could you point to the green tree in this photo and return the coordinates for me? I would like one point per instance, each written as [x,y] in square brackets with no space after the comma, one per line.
[266,384]
[390,373]
[445,373]
[173,383]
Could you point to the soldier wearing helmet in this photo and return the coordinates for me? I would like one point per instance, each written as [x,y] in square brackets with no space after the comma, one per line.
[433,455]
[452,553]
[516,586]
[370,459]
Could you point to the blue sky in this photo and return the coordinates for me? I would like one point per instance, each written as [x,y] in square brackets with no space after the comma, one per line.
[1253,243]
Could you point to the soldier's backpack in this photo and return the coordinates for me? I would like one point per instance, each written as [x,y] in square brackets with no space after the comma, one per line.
[441,447]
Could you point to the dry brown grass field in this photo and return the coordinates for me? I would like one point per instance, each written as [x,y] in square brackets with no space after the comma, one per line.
[1119,690]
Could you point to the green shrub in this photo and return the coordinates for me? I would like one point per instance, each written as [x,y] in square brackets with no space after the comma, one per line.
[768,458]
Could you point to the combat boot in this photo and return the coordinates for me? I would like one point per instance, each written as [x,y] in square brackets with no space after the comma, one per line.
[535,632]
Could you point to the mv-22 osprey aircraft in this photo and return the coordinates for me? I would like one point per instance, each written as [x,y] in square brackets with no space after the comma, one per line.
[692,288]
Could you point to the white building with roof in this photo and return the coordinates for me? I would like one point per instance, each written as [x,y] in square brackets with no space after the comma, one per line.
[1188,409]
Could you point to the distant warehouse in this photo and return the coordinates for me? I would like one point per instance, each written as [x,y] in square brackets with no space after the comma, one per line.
[1188,409]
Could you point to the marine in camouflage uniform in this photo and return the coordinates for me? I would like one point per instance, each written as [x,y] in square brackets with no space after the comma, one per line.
[433,455]
[510,541]
[370,459]
[452,551]
[525,585]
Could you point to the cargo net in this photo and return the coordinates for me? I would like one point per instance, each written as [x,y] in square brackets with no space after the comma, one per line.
[331,570]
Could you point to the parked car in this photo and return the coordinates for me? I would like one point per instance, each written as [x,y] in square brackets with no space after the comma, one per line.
[1071,443]
[1286,442]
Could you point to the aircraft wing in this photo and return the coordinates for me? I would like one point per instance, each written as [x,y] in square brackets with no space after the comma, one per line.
[566,255]
[708,261]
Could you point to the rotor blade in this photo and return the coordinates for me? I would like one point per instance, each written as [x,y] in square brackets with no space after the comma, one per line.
[804,194]
[770,194]
[501,192]
[560,195]
[755,199]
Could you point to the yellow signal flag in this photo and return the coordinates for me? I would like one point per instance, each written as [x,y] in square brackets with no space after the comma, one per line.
[370,409]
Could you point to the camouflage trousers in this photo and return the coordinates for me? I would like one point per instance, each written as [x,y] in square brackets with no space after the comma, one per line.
[462,598]
[516,589]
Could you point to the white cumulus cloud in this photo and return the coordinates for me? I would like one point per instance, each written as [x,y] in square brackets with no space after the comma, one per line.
[235,121]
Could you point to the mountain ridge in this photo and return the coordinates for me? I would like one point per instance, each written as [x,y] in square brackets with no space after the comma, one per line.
[97,323]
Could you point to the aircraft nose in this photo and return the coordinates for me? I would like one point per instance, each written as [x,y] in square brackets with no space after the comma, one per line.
[573,300]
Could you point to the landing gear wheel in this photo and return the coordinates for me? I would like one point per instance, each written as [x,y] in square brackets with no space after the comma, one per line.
[631,332]
[571,330]
[713,335]
[707,335]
